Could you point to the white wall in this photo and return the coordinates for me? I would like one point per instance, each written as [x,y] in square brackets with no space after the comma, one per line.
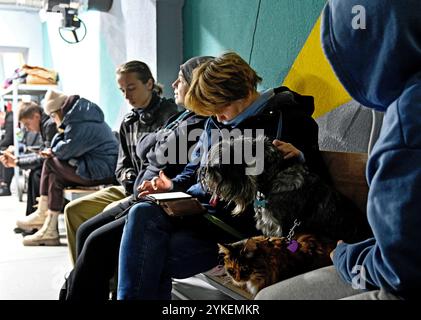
[129,29]
[77,64]
[128,32]
[22,29]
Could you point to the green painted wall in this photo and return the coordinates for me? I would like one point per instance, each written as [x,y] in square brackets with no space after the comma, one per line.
[213,26]
[46,54]
[111,100]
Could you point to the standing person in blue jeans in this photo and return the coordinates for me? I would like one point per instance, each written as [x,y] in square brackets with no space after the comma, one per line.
[379,63]
[156,248]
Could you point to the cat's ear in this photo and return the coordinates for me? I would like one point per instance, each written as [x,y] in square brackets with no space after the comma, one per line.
[249,248]
[224,248]
[250,245]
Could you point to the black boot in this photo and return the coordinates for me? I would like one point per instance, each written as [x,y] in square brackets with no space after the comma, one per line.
[5,191]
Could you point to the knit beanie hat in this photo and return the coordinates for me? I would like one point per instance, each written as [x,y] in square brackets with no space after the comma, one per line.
[53,101]
[188,67]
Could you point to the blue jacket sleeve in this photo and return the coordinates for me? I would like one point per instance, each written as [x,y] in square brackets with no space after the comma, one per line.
[72,143]
[393,259]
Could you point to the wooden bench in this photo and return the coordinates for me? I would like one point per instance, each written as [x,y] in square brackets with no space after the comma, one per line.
[71,194]
[348,174]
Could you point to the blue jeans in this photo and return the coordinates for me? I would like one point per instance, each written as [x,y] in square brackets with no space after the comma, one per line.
[154,249]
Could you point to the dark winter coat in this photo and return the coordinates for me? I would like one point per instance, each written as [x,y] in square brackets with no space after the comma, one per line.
[87,142]
[132,130]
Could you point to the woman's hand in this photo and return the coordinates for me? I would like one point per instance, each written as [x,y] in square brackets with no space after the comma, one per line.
[287,149]
[158,184]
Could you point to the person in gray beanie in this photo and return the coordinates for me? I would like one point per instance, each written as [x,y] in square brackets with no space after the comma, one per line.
[187,67]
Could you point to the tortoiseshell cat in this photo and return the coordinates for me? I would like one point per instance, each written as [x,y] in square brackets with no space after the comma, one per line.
[260,261]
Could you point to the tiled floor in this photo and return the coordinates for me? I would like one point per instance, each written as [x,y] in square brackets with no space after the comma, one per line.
[28,273]
[37,273]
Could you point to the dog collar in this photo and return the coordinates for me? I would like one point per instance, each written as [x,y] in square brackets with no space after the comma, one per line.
[293,245]
[260,201]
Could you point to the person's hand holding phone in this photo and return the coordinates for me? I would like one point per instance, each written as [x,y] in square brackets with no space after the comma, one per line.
[8,159]
[46,153]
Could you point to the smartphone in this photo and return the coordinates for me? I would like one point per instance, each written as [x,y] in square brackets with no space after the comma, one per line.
[34,149]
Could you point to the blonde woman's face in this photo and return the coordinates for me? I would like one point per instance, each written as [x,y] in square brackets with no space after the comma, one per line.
[180,87]
[137,93]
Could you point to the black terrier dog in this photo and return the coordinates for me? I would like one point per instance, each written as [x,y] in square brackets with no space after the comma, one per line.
[285,194]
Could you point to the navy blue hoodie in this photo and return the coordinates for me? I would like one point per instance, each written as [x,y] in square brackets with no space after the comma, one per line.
[380,66]
[87,140]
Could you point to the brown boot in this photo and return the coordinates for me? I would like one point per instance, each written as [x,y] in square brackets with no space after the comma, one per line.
[37,218]
[48,235]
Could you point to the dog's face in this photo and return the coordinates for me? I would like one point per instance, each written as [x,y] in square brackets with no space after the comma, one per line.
[231,174]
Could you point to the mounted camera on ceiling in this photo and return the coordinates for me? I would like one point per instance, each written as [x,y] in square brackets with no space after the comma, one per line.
[98,5]
[73,29]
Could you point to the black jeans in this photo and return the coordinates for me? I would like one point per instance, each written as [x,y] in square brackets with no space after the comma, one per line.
[34,181]
[6,175]
[97,245]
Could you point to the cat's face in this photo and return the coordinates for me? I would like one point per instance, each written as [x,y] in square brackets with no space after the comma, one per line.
[245,259]
[236,264]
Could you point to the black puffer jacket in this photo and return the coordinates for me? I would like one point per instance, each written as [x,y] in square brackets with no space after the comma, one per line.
[132,130]
[169,143]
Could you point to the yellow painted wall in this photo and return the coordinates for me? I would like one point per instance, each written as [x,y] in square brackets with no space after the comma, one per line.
[312,74]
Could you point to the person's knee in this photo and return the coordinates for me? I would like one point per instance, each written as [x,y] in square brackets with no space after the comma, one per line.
[93,243]
[142,213]
[72,211]
[49,163]
[83,232]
